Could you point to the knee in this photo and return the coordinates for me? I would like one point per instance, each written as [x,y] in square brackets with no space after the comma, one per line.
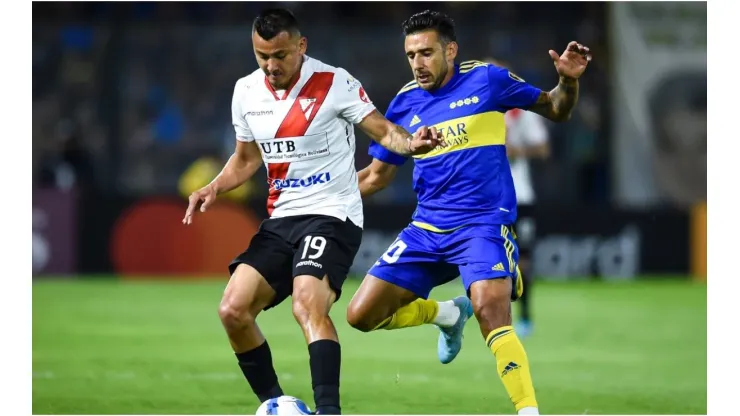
[492,308]
[358,319]
[309,305]
[493,315]
[234,316]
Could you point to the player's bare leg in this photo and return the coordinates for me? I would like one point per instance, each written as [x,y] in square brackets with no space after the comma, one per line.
[492,307]
[375,302]
[246,294]
[524,326]
[312,301]
[378,304]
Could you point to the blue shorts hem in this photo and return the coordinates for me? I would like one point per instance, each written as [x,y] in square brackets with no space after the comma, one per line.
[415,289]
[501,275]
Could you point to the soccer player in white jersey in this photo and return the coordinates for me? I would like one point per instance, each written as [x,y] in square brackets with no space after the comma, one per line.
[296,115]
[527,138]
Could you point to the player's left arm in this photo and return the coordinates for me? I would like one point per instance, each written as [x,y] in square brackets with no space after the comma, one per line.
[558,103]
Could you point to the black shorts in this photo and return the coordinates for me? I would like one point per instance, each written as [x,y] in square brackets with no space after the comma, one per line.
[315,245]
[525,229]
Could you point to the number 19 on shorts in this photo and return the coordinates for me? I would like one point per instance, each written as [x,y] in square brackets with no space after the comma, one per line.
[316,244]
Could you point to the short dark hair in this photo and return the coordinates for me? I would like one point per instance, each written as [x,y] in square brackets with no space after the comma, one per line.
[426,20]
[270,22]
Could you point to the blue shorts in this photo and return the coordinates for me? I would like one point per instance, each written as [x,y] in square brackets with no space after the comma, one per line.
[420,260]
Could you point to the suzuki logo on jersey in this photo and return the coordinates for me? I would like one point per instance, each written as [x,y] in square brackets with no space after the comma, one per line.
[312,180]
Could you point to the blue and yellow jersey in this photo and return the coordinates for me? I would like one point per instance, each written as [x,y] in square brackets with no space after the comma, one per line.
[469,181]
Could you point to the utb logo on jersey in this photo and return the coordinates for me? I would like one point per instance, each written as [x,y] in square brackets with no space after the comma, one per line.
[322,177]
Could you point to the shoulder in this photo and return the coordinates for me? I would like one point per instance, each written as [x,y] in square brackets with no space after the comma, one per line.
[248,81]
[497,74]
[314,65]
[408,87]
[407,95]
[475,67]
[252,79]
[241,87]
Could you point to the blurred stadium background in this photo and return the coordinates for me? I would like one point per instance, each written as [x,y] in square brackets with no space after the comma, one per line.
[131,113]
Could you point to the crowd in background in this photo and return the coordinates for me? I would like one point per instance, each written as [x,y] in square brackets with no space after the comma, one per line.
[130,95]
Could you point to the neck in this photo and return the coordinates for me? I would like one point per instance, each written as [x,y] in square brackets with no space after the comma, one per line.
[448,76]
[297,74]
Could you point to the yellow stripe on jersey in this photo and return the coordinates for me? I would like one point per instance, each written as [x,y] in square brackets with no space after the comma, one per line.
[484,129]
[430,227]
[466,64]
[509,247]
[408,87]
[472,67]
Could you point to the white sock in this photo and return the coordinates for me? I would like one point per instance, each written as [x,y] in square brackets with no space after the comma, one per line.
[529,411]
[447,315]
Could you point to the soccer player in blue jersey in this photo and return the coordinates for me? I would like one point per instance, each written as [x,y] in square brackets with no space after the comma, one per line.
[466,201]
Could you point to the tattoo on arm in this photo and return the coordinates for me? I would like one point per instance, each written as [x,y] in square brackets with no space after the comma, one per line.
[557,104]
[397,141]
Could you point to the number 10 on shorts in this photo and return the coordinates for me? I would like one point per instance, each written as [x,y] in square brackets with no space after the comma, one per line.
[316,243]
[394,252]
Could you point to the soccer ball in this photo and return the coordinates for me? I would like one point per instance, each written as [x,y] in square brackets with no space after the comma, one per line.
[283,405]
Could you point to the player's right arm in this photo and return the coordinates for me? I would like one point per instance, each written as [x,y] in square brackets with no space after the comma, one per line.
[354,105]
[380,172]
[396,139]
[238,169]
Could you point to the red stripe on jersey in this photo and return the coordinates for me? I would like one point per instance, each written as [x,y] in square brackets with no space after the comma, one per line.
[296,123]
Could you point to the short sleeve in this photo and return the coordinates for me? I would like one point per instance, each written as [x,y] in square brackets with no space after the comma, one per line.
[243,133]
[510,91]
[350,99]
[381,153]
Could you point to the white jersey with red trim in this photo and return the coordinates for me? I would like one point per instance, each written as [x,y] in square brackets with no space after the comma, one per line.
[307,139]
[524,129]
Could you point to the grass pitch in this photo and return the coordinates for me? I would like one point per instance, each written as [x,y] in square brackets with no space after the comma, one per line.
[113,347]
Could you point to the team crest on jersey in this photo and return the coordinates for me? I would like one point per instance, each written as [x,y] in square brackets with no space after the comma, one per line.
[307,105]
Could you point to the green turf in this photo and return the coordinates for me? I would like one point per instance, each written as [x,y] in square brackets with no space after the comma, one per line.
[108,347]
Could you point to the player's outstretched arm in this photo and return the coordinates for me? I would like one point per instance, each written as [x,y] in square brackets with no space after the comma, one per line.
[558,103]
[396,139]
[375,177]
[238,169]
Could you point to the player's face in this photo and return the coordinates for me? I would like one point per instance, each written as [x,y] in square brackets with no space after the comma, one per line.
[430,60]
[280,57]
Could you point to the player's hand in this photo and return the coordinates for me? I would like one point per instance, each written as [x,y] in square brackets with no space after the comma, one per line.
[572,63]
[207,194]
[426,139]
